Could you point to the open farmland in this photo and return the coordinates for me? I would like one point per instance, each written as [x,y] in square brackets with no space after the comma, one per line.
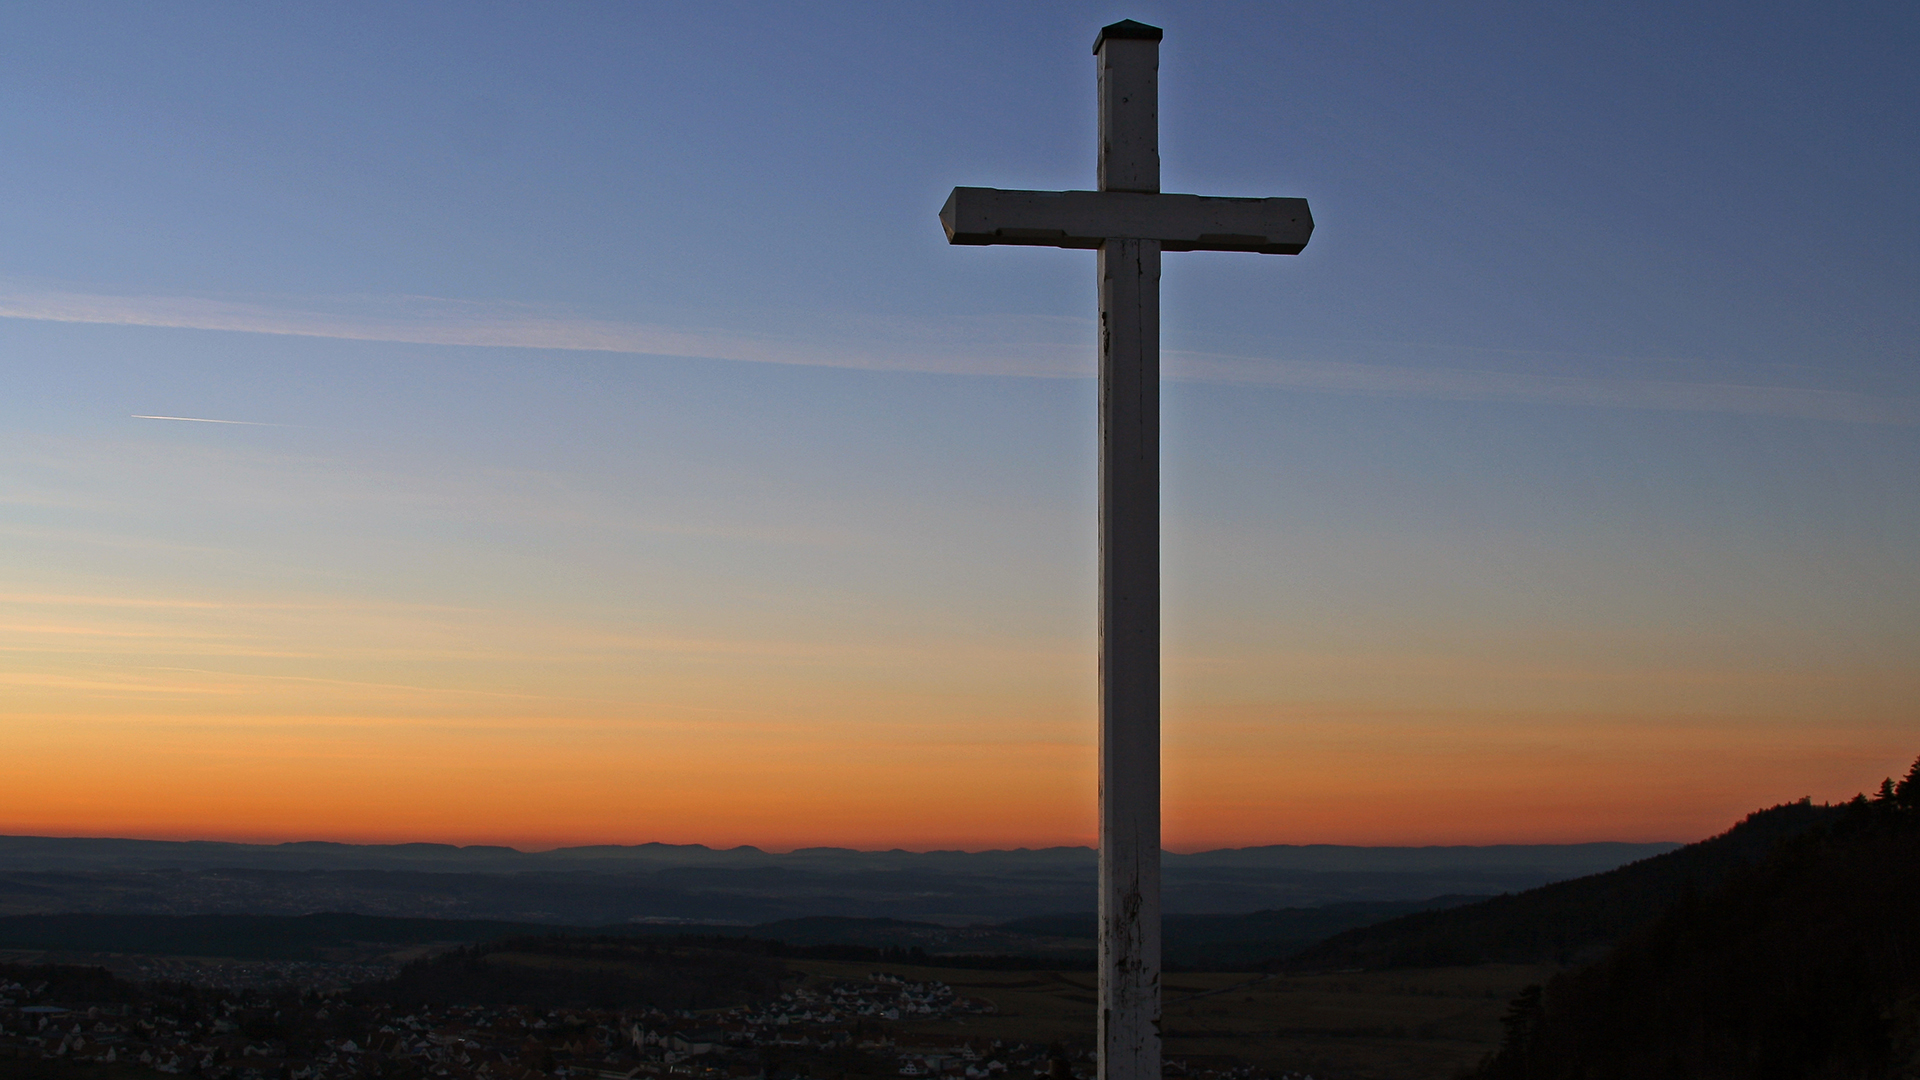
[1410,1024]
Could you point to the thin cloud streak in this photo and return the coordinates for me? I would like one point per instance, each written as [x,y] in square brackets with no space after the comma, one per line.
[436,321]
[202,420]
[1456,384]
[927,349]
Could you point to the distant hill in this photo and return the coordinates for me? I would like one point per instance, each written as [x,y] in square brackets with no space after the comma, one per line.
[1189,942]
[243,937]
[1206,942]
[88,854]
[1569,920]
[1806,965]
[738,886]
[1238,942]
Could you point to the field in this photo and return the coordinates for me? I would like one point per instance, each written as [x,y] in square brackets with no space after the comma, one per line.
[1415,1024]
[1404,1024]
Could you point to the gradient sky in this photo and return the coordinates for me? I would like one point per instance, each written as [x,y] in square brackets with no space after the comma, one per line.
[619,452]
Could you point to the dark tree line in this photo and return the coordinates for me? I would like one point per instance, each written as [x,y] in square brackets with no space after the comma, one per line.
[1568,921]
[1803,967]
[587,972]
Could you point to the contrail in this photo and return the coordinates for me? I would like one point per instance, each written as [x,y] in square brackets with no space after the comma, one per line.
[204,420]
[1041,348]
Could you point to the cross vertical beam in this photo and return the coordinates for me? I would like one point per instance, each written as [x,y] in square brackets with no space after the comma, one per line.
[1129,1023]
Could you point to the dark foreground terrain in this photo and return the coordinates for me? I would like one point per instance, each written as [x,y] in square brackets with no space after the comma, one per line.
[1805,965]
[727,1010]
[1787,947]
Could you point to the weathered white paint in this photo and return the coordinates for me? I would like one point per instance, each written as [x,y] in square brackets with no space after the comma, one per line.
[1129,1020]
[1131,222]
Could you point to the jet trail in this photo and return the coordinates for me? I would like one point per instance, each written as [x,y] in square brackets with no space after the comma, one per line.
[204,420]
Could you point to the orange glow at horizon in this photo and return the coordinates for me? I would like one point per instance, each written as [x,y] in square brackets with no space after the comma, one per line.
[566,784]
[380,722]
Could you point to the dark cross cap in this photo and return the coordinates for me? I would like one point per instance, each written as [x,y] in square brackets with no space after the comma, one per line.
[1127,29]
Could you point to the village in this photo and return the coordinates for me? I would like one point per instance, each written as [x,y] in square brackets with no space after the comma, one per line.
[841,1030]
[309,1036]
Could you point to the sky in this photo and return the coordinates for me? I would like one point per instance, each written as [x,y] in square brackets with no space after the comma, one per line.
[612,450]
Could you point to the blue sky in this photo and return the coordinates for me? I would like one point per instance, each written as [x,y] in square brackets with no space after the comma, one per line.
[608,362]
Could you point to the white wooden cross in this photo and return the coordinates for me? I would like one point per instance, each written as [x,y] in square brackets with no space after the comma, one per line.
[1131,223]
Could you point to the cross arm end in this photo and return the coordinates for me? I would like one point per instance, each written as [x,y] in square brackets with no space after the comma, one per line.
[980,216]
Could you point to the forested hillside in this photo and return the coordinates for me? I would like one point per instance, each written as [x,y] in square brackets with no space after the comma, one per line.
[1807,965]
[1567,921]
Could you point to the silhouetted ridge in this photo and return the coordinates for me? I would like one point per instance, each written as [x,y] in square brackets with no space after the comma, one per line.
[1567,920]
[1807,965]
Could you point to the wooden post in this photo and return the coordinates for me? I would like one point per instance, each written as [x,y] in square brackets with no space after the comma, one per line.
[1131,222]
[1129,1024]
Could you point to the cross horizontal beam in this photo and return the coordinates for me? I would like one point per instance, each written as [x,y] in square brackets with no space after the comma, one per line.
[1087,219]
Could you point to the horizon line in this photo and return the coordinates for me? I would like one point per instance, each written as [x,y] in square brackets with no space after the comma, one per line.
[756,849]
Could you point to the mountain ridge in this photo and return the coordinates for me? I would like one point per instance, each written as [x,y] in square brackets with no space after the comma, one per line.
[90,852]
[1803,964]
[605,885]
[1565,921]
